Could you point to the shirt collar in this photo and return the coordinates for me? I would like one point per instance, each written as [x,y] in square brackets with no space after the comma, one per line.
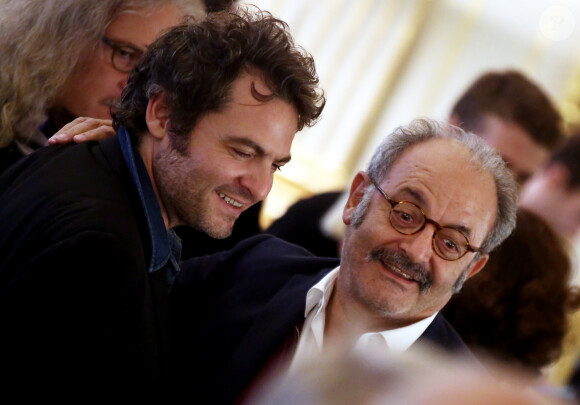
[319,293]
[399,339]
[165,244]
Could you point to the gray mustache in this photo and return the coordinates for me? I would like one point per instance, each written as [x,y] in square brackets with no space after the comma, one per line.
[416,270]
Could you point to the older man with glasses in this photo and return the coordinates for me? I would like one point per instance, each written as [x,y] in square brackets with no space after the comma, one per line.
[267,305]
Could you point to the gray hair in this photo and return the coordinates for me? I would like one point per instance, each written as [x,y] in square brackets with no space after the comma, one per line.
[424,129]
[42,43]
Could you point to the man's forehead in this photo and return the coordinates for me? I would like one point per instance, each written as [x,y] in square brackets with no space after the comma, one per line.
[442,161]
[436,154]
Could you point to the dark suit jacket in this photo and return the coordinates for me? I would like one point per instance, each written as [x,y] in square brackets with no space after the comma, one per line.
[78,307]
[233,310]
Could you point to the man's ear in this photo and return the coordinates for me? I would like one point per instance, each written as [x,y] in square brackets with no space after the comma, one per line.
[357,190]
[478,265]
[157,116]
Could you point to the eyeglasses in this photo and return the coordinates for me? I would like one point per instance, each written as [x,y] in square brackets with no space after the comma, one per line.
[124,57]
[409,219]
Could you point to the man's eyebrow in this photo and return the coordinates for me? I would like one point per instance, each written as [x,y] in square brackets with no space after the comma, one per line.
[131,45]
[461,228]
[258,149]
[418,196]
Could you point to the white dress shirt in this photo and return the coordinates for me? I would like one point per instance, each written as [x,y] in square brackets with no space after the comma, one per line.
[311,338]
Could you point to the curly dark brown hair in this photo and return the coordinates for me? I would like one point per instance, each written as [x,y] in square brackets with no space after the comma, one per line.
[194,65]
[516,308]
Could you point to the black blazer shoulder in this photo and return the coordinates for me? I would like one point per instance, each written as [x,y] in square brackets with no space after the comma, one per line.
[232,310]
[74,252]
[254,270]
[258,255]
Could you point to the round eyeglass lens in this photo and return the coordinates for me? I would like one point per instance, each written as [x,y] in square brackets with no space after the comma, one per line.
[449,243]
[407,218]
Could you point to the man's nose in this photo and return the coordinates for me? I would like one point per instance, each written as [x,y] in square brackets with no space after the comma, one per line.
[419,246]
[259,182]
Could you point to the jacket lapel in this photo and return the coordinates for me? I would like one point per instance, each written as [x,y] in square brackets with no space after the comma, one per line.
[268,331]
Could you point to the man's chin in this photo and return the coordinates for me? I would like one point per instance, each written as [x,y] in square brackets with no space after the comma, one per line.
[218,232]
[215,226]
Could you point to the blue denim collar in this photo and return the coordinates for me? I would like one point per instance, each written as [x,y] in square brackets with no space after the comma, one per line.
[165,244]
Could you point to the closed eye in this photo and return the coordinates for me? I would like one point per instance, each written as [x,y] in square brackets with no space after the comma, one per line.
[242,154]
[128,53]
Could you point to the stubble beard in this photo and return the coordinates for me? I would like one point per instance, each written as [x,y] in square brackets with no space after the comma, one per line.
[173,174]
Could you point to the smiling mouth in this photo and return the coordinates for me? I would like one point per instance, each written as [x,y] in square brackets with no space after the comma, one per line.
[230,200]
[401,273]
[424,282]
[400,266]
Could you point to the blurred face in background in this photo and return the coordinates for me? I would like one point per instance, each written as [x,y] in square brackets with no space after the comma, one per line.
[97,84]
[549,195]
[523,155]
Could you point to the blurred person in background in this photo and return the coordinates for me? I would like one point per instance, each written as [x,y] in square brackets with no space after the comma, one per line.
[422,377]
[553,192]
[514,115]
[517,309]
